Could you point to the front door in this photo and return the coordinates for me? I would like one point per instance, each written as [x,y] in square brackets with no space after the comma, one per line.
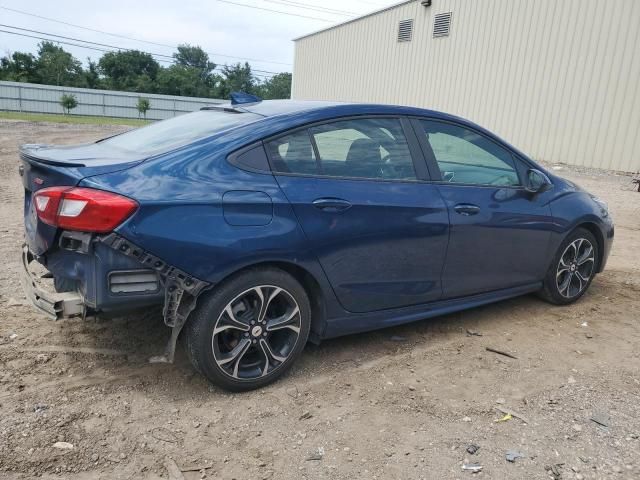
[379,232]
[499,233]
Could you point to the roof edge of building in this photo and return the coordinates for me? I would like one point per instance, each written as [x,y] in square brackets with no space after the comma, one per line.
[370,14]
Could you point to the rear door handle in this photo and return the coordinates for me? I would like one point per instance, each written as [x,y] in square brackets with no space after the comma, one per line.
[330,205]
[466,209]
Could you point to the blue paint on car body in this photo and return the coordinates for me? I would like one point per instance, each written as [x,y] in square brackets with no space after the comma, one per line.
[247,207]
[399,251]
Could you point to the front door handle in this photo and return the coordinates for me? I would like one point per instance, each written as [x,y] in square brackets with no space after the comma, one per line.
[466,209]
[331,205]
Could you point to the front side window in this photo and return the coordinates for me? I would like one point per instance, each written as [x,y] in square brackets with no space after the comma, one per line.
[362,148]
[464,156]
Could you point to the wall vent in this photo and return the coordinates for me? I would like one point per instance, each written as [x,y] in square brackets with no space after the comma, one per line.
[405,30]
[442,24]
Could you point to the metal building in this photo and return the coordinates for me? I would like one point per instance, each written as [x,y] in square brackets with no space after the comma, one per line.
[559,79]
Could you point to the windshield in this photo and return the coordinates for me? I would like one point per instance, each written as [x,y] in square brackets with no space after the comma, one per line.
[177,131]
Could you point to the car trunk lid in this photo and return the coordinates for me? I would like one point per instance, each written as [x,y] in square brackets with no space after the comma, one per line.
[44,166]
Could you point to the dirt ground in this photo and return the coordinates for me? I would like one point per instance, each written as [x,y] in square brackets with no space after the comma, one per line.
[402,403]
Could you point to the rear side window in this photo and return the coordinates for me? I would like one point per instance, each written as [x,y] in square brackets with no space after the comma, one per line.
[464,156]
[177,131]
[293,153]
[362,148]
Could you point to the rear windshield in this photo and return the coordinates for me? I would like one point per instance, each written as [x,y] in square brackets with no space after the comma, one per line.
[177,131]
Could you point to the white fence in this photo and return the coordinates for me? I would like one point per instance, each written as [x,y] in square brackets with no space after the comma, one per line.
[31,97]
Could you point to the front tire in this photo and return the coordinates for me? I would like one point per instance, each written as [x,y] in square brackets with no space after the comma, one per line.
[250,329]
[572,269]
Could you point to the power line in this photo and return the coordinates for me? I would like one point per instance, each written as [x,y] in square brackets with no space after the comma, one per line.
[316,8]
[170,57]
[57,41]
[78,40]
[264,75]
[174,47]
[374,4]
[275,11]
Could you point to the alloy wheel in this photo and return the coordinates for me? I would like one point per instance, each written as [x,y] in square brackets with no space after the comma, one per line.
[575,268]
[256,332]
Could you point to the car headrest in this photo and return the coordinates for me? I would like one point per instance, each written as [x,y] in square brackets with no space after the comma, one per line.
[364,150]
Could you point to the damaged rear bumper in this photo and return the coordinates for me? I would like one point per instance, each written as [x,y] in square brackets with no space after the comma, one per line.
[110,274]
[53,304]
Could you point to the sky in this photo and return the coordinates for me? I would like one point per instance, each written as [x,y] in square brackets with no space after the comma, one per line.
[229,30]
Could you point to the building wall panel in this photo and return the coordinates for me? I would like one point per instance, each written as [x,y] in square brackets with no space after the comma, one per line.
[558,79]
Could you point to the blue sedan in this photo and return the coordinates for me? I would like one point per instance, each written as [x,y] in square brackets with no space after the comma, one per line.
[261,225]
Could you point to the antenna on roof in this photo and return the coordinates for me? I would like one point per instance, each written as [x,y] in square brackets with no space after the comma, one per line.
[240,98]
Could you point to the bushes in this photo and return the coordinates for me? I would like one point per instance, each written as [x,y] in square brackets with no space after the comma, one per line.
[68,102]
[142,106]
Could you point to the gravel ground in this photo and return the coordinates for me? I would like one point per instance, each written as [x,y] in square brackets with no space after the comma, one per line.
[404,402]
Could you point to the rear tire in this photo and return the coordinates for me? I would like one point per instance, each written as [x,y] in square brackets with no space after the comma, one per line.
[572,269]
[249,330]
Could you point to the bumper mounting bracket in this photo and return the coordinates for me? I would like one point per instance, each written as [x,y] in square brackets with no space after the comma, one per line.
[181,290]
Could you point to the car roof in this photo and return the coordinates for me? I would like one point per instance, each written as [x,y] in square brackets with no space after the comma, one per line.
[282,114]
[269,108]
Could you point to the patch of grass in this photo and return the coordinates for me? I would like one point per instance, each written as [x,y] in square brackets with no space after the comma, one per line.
[52,117]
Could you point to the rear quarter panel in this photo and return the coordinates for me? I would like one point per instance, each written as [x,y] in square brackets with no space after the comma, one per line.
[182,218]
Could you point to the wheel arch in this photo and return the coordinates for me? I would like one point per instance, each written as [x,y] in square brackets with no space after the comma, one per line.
[309,283]
[597,233]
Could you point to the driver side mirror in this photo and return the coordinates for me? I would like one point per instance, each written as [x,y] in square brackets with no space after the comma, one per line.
[537,181]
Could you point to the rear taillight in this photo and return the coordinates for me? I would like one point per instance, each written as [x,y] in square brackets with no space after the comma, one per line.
[84,209]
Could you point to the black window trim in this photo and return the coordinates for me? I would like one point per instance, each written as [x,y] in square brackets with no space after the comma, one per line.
[432,163]
[415,151]
[232,158]
[316,152]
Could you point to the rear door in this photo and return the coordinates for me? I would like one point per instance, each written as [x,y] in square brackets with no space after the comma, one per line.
[499,232]
[379,229]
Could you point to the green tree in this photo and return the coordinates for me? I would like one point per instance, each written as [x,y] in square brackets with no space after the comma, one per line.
[183,80]
[194,57]
[278,86]
[68,102]
[129,70]
[55,66]
[192,75]
[236,78]
[91,75]
[18,67]
[142,106]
